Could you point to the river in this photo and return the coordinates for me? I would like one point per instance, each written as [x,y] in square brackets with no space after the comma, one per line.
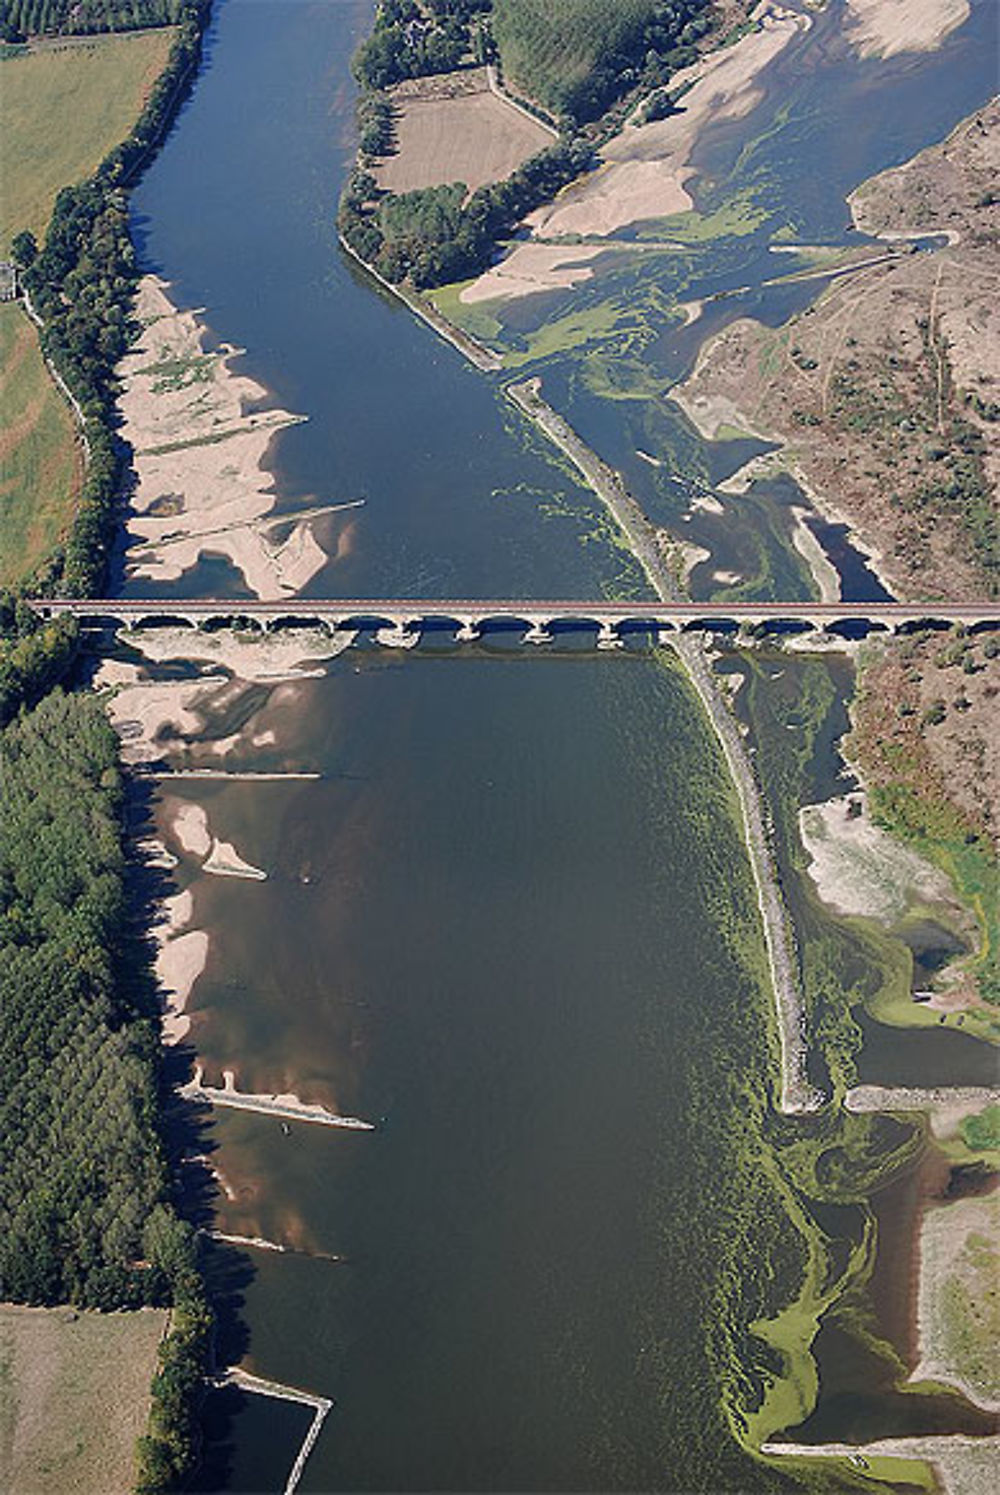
[511,923]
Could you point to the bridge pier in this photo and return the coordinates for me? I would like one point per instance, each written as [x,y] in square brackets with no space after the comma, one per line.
[608,636]
[467,633]
[399,636]
[538,633]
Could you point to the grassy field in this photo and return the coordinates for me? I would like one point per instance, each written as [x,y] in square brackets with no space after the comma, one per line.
[39,457]
[64,108]
[550,47]
[74,1396]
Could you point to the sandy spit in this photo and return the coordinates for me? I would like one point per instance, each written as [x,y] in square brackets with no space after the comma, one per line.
[958,1266]
[883,28]
[200,434]
[823,571]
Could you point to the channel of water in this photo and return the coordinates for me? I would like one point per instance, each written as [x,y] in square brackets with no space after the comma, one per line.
[511,923]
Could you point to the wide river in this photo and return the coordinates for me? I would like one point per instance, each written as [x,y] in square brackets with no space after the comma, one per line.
[511,922]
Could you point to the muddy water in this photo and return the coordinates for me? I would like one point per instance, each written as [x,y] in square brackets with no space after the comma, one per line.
[510,923]
[492,928]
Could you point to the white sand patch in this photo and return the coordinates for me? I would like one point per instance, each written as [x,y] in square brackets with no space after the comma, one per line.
[225,861]
[620,192]
[180,960]
[692,311]
[727,578]
[706,503]
[859,869]
[250,656]
[533,267]
[883,28]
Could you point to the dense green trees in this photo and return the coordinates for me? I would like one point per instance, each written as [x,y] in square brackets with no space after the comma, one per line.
[432,236]
[409,41]
[72,17]
[85,1189]
[80,1157]
[577,57]
[34,656]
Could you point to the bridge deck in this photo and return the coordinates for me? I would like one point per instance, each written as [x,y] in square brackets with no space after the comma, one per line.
[421,608]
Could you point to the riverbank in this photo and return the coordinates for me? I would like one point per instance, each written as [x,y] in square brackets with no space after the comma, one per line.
[903,449]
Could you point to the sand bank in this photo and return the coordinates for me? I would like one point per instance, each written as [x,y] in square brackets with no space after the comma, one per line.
[200,436]
[883,28]
[180,960]
[822,570]
[533,267]
[858,868]
[188,825]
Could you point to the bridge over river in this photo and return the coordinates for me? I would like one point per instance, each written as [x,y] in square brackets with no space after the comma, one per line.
[402,621]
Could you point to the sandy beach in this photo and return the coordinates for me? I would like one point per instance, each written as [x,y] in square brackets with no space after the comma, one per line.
[200,435]
[180,959]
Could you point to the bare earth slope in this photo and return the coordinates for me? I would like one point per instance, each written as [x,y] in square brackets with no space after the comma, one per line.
[886,391]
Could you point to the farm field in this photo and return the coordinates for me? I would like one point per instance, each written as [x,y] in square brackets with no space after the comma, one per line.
[64,107]
[447,134]
[74,1397]
[39,458]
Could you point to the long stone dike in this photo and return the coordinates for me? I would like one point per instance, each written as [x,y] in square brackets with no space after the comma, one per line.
[797,1094]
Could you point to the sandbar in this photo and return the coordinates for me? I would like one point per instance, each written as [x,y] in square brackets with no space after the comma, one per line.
[884,28]
[200,435]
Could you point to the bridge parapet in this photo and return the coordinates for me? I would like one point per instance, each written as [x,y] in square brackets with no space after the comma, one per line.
[400,623]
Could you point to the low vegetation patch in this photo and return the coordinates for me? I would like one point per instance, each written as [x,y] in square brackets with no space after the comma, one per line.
[63,111]
[924,741]
[75,1392]
[39,458]
[470,136]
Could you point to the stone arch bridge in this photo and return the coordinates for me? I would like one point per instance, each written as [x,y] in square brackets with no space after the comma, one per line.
[397,622]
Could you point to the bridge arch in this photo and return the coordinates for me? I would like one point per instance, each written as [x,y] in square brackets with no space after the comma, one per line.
[144,621]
